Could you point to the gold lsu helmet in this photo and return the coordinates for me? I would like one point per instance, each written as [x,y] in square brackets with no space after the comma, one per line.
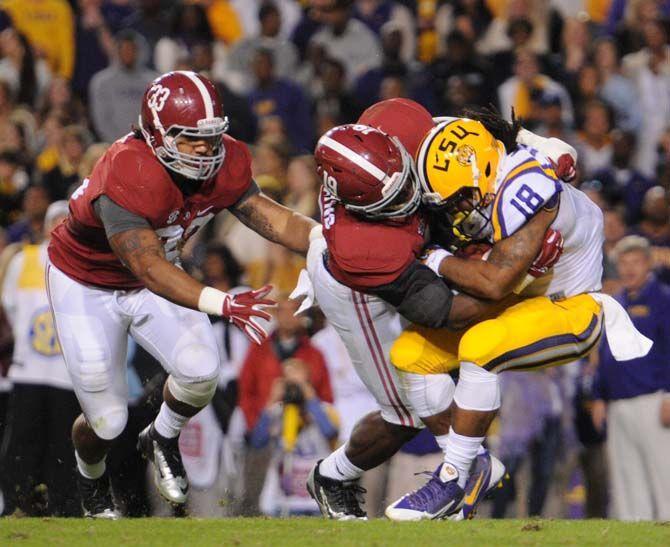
[457,164]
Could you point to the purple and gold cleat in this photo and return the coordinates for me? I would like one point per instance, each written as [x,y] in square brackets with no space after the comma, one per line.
[486,475]
[438,498]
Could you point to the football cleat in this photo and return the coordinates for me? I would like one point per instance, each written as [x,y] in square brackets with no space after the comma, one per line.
[96,497]
[438,498]
[169,473]
[486,475]
[338,500]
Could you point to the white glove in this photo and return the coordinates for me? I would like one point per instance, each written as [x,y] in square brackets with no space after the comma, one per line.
[434,257]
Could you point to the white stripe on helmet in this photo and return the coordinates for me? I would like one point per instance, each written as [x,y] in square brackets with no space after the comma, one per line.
[353,156]
[206,97]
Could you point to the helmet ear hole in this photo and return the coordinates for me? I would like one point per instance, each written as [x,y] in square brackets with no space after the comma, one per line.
[487,171]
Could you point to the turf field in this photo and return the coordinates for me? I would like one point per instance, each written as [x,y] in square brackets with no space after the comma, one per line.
[317,532]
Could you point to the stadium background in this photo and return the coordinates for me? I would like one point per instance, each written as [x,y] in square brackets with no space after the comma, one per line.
[595,73]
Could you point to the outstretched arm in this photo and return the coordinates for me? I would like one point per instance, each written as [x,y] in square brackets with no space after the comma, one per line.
[275,222]
[505,267]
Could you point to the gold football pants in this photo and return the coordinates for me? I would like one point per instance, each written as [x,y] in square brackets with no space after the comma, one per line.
[534,333]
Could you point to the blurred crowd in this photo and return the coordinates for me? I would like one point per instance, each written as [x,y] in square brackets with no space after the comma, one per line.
[595,73]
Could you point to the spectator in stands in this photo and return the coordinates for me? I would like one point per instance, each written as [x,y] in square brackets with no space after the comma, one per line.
[284,52]
[528,83]
[272,96]
[615,88]
[42,407]
[302,186]
[649,68]
[632,396]
[345,38]
[116,92]
[290,13]
[593,141]
[60,100]
[150,20]
[30,228]
[94,44]
[655,226]
[61,180]
[49,27]
[379,15]
[188,27]
[13,117]
[27,76]
[13,181]
[334,105]
[460,60]
[622,182]
[301,429]
[262,365]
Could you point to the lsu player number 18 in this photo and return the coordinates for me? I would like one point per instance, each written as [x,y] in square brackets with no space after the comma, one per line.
[487,187]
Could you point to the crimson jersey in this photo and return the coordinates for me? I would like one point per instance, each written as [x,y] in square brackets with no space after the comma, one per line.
[365,255]
[130,175]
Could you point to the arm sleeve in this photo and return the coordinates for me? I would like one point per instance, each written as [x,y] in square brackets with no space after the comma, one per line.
[115,218]
[419,295]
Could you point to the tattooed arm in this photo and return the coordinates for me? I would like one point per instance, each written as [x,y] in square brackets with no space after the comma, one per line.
[142,253]
[275,222]
[507,264]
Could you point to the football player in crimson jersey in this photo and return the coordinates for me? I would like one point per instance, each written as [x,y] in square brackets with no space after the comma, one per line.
[114,271]
[374,235]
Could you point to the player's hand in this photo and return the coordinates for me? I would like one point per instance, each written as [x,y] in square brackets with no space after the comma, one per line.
[564,167]
[552,249]
[244,309]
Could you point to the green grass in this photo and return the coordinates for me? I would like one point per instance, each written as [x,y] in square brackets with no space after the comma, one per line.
[318,532]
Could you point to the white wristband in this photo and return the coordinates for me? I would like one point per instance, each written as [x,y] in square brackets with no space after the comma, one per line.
[211,301]
[435,258]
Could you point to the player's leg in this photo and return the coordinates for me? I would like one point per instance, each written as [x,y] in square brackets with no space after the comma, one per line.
[92,332]
[367,327]
[425,358]
[532,334]
[183,341]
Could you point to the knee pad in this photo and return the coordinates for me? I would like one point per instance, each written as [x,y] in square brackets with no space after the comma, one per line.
[482,343]
[196,394]
[109,424]
[197,362]
[477,389]
[429,394]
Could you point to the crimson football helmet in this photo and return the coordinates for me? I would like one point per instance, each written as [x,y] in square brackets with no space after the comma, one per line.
[368,171]
[404,119]
[184,104]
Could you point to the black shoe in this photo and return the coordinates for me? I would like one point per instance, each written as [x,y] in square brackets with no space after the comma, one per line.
[169,473]
[339,500]
[96,497]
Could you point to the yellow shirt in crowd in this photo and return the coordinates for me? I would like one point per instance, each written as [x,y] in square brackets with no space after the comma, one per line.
[49,27]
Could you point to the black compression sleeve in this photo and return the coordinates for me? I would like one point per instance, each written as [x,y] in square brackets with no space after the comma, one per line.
[115,218]
[419,295]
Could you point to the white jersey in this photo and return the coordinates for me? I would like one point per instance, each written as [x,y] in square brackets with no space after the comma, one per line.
[526,182]
[37,357]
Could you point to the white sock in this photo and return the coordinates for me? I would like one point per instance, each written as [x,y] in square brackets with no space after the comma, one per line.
[460,451]
[168,423]
[337,466]
[91,470]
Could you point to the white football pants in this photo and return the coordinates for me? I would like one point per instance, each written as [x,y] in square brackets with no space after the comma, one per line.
[368,327]
[93,325]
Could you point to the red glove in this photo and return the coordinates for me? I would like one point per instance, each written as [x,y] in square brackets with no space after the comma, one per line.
[552,249]
[564,167]
[243,309]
